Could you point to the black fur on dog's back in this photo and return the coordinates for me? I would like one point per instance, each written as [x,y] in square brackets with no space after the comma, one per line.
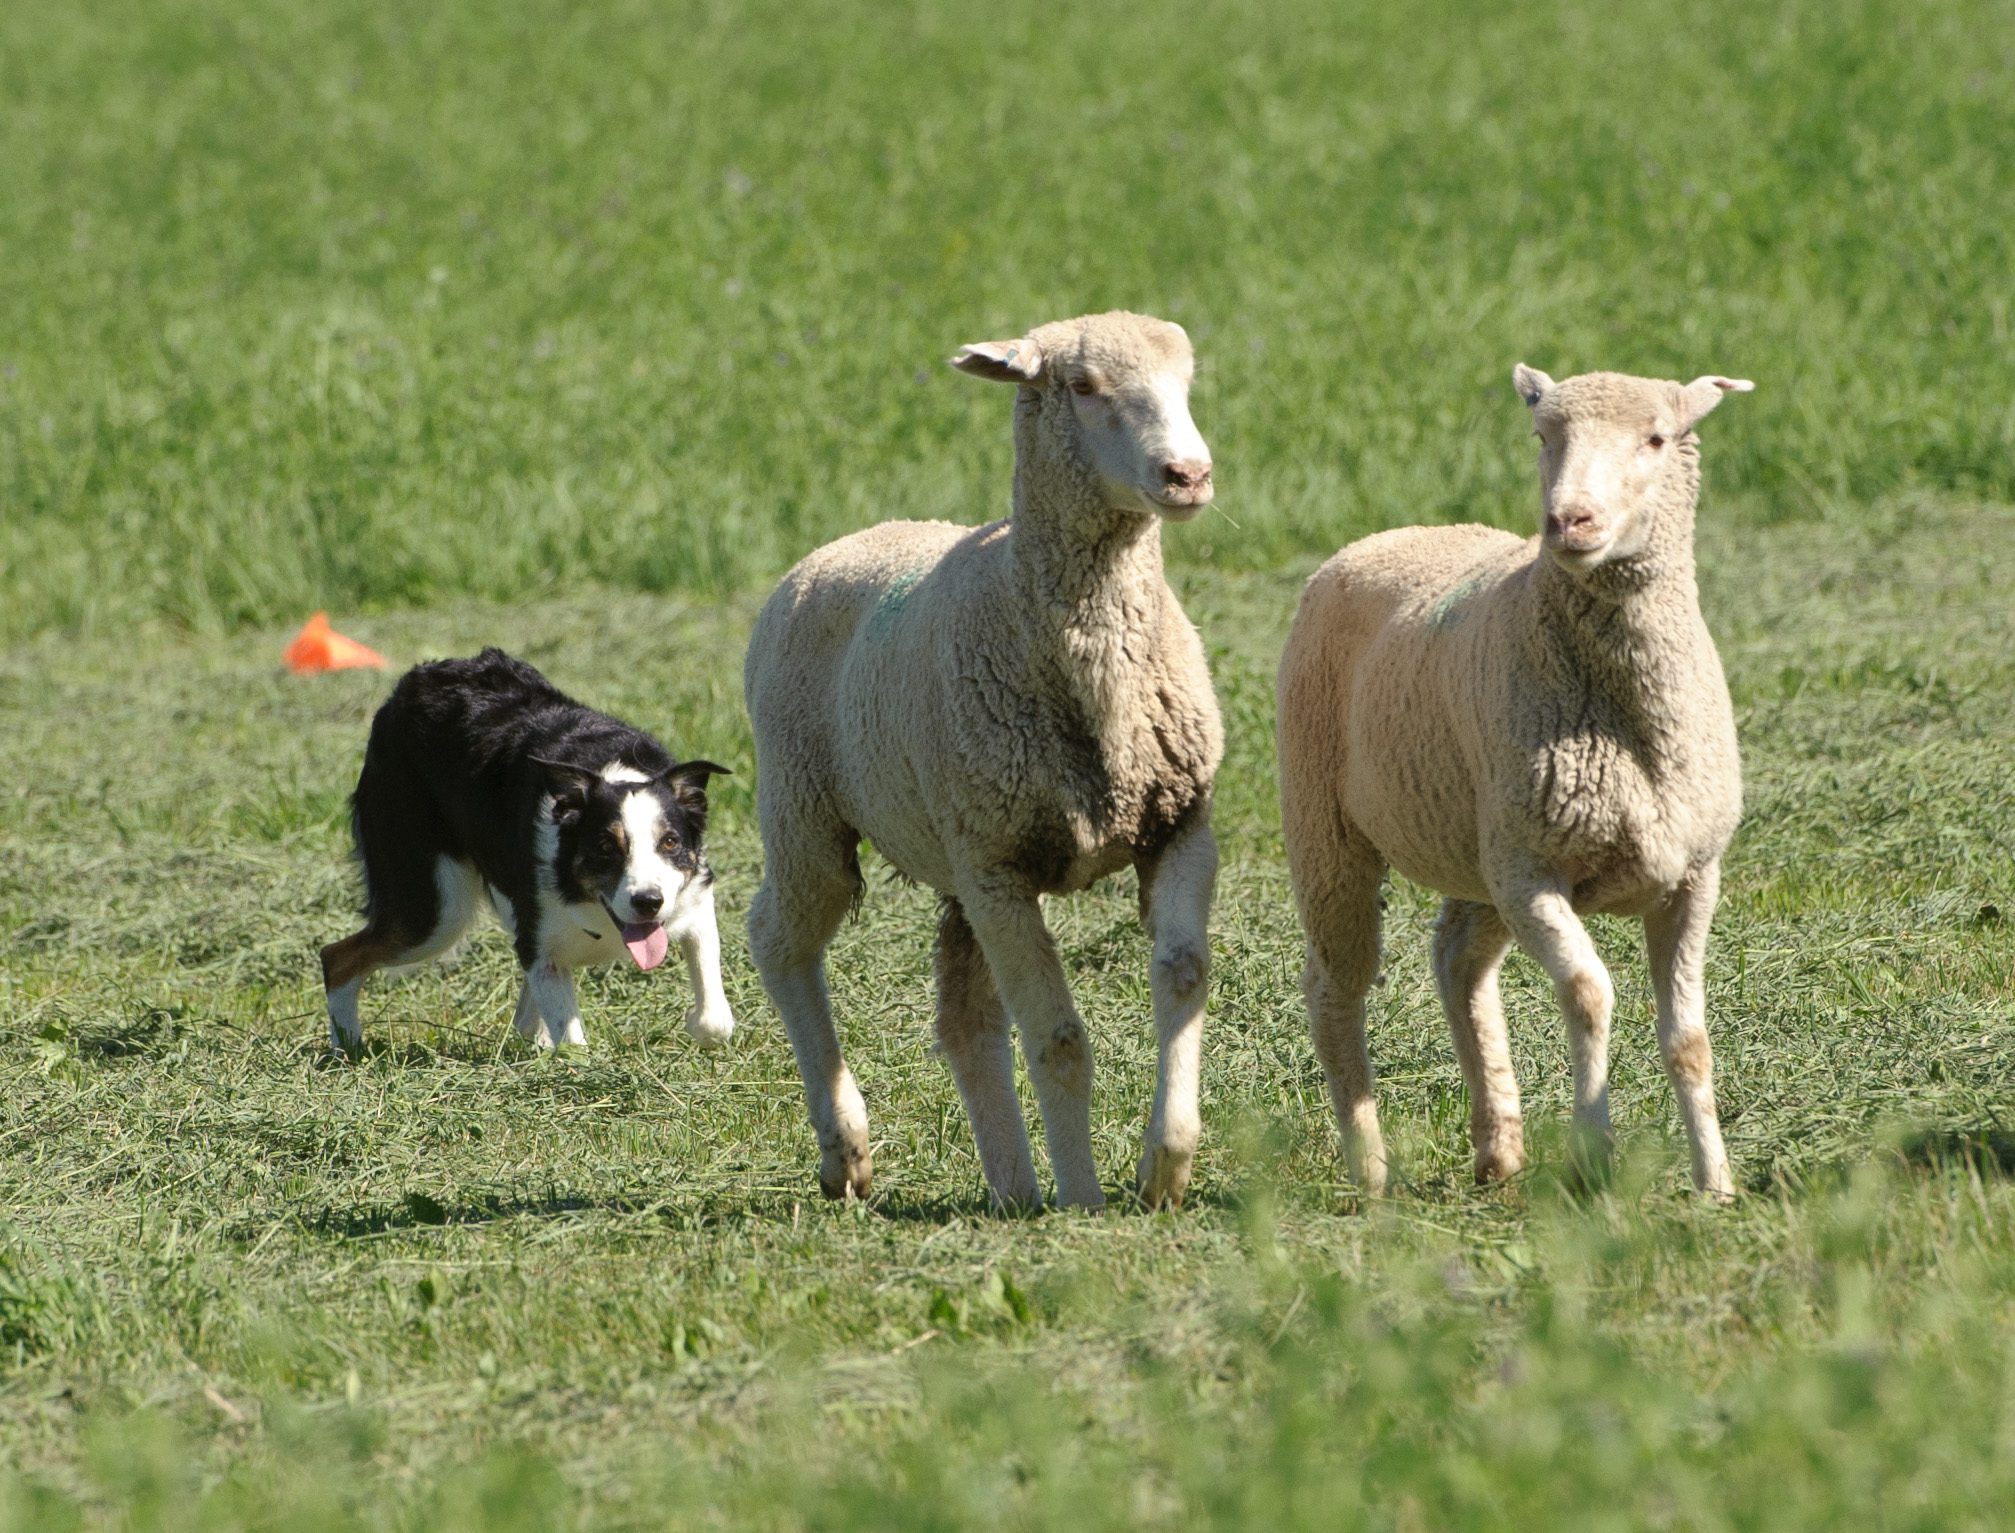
[459,762]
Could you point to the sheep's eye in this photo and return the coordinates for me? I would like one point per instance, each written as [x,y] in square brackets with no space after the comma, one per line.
[1654,440]
[1082,386]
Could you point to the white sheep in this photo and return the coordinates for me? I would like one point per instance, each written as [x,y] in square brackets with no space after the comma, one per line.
[1006,711]
[1538,729]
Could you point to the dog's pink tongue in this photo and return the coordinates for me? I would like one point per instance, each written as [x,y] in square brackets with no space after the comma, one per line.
[647,944]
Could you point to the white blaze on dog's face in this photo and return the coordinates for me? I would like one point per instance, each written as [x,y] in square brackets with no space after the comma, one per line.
[632,843]
[1607,444]
[1121,382]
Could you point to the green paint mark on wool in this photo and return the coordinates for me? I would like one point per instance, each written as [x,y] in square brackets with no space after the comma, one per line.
[883,619]
[1452,606]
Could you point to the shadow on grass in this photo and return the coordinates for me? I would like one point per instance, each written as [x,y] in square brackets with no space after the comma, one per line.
[420,1210]
[391,1042]
[1990,1151]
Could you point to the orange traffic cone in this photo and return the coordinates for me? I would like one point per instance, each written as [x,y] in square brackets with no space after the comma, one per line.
[318,647]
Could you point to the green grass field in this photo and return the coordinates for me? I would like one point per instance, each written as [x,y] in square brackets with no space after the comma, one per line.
[568,328]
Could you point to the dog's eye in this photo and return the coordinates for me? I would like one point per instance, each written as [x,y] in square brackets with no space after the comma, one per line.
[669,845]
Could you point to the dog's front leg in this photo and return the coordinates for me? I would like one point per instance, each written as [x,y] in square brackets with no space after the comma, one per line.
[708,1020]
[548,1013]
[529,1024]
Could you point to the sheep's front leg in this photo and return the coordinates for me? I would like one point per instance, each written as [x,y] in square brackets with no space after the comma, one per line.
[552,991]
[708,1019]
[1023,958]
[1177,899]
[1542,918]
[1675,940]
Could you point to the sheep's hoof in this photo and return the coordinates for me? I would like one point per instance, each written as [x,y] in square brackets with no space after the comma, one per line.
[1163,1178]
[1591,1162]
[1369,1169]
[1498,1167]
[1500,1155]
[1720,1193]
[844,1173]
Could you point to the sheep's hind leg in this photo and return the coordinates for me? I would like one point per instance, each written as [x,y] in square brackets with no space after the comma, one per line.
[1025,966]
[1675,939]
[1340,913]
[795,914]
[972,1030]
[1470,941]
[1176,892]
[1542,918]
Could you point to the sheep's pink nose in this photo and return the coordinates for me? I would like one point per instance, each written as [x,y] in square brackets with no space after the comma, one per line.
[1186,473]
[1569,519]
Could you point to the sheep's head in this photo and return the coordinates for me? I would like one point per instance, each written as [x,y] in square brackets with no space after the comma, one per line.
[1117,386]
[1611,448]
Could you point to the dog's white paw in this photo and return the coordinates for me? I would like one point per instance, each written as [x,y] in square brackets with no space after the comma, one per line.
[710,1026]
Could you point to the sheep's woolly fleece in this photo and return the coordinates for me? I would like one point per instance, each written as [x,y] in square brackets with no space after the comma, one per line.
[1005,711]
[1497,717]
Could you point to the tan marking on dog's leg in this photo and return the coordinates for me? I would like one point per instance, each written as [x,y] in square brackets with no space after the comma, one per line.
[345,967]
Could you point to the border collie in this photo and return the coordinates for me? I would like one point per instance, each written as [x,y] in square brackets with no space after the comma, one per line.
[481,778]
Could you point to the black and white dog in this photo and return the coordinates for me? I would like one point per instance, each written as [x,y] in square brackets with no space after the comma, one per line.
[482,778]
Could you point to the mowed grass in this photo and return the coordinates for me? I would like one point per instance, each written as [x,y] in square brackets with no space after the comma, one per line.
[568,328]
[461,1284]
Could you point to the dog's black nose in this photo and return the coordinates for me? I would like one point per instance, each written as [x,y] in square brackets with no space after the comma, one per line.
[646,902]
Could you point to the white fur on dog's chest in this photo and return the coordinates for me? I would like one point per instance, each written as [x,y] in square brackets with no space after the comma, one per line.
[571,936]
[577,936]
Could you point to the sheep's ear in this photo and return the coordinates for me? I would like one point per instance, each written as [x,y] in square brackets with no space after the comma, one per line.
[1703,394]
[1002,361]
[1530,383]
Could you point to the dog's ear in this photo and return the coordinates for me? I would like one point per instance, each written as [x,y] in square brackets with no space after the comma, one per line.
[570,786]
[688,781]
